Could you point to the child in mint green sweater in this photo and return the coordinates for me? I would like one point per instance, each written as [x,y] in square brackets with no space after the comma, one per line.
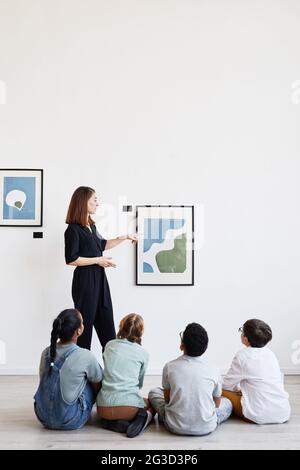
[120,406]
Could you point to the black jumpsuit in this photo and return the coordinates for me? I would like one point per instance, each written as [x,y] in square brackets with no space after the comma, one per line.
[90,289]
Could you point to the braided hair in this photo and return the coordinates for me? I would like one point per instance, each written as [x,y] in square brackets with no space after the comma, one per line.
[63,328]
[131,328]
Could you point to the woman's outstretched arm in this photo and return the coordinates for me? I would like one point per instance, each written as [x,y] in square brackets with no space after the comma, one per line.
[116,241]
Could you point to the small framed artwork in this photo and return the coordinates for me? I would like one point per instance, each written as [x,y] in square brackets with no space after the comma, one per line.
[165,252]
[21,198]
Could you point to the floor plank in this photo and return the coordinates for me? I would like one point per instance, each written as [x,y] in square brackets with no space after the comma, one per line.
[19,428]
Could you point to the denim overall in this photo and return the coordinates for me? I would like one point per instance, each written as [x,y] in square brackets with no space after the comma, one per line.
[51,409]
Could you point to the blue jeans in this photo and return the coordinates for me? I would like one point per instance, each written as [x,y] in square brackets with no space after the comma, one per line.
[49,406]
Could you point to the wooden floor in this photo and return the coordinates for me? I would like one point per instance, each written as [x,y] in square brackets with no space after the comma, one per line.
[19,428]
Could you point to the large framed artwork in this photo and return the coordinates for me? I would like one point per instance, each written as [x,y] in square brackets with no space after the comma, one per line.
[21,198]
[165,252]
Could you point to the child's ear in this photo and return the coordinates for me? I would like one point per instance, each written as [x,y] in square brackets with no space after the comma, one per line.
[181,346]
[245,341]
[80,330]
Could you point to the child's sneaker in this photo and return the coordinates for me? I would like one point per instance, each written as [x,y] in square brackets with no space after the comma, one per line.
[139,423]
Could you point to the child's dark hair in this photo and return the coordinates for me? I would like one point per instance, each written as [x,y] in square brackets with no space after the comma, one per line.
[63,328]
[195,340]
[131,328]
[257,332]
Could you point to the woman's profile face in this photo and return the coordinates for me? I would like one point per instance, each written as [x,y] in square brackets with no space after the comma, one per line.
[93,204]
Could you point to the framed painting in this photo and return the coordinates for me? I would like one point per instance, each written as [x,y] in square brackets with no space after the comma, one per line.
[21,198]
[165,252]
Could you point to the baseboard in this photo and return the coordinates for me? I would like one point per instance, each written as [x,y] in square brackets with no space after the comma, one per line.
[290,370]
[21,371]
[150,372]
[284,370]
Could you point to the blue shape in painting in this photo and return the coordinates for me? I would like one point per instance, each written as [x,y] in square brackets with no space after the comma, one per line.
[19,197]
[147,268]
[155,230]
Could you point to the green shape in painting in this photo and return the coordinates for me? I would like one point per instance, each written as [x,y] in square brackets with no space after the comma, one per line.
[18,204]
[173,261]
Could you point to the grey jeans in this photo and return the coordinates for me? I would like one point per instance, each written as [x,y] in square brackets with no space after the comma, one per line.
[157,400]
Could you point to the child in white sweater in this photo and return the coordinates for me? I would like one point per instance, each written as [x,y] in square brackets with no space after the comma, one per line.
[254,383]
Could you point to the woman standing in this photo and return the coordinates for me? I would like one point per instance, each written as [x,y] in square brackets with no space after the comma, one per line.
[84,248]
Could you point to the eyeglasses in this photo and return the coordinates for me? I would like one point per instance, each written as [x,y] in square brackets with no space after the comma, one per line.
[241,330]
[181,334]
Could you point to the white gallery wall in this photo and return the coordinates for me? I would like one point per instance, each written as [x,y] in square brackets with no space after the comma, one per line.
[156,102]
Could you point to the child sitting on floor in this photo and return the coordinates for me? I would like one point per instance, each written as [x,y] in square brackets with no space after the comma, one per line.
[190,401]
[254,383]
[121,408]
[70,376]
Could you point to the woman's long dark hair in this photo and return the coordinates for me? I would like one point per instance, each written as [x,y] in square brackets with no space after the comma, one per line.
[63,328]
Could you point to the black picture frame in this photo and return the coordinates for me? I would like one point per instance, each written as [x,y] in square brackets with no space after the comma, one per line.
[192,282]
[39,189]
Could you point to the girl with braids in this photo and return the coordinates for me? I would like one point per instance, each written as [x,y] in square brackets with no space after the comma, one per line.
[120,406]
[70,376]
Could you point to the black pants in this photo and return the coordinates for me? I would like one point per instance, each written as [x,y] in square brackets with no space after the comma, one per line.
[91,296]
